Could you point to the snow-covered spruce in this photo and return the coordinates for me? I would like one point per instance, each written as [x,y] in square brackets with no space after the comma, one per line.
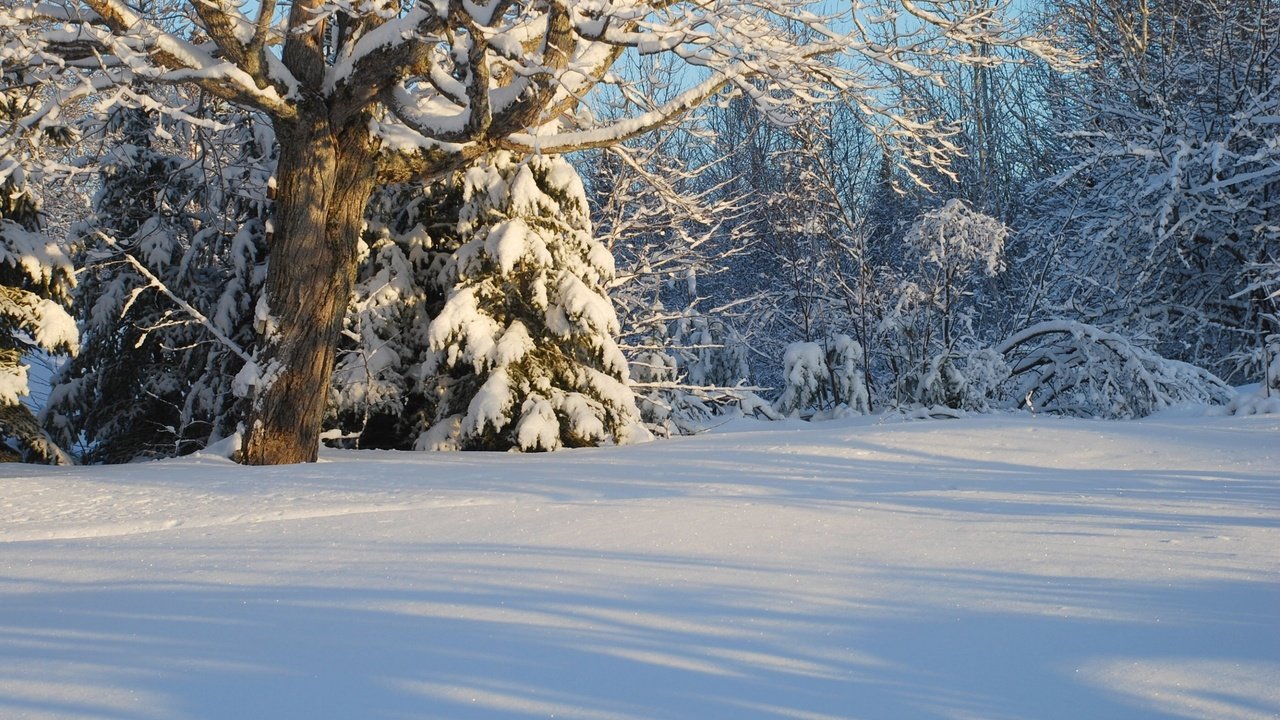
[377,397]
[823,381]
[523,352]
[848,383]
[654,373]
[804,375]
[173,264]
[36,279]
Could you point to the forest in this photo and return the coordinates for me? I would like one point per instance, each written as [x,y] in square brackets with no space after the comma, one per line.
[541,224]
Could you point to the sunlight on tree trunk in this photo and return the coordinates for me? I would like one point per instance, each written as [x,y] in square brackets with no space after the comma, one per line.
[312,270]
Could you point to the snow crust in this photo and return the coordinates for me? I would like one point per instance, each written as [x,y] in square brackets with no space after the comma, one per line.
[997,567]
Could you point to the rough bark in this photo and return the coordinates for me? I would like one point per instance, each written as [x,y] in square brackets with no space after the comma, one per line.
[324,180]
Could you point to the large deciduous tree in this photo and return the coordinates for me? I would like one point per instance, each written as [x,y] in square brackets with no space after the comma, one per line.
[365,93]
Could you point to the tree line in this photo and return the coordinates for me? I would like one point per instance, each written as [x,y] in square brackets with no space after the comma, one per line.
[551,224]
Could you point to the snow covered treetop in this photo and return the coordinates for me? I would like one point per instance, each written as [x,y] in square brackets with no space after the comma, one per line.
[954,235]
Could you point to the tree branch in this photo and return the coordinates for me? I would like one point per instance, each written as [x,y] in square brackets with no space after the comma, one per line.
[619,131]
[190,62]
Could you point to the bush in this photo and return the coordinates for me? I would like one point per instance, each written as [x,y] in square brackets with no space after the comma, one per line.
[1067,367]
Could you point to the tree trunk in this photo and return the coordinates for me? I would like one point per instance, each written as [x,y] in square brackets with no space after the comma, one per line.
[323,183]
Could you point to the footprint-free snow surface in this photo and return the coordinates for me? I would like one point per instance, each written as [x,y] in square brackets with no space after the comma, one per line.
[991,568]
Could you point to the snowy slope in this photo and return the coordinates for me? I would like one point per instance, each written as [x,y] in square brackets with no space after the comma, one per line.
[989,568]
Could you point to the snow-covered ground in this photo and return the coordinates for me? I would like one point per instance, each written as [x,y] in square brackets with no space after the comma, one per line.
[985,568]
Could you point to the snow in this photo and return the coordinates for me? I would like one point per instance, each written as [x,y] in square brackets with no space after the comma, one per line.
[461,322]
[538,428]
[491,404]
[33,254]
[1000,567]
[582,307]
[1255,400]
[556,141]
[583,418]
[805,373]
[53,326]
[507,243]
[13,384]
[513,346]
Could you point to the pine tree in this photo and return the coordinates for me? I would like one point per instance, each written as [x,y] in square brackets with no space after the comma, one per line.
[806,378]
[36,280]
[823,380]
[524,351]
[173,258]
[848,381]
[378,396]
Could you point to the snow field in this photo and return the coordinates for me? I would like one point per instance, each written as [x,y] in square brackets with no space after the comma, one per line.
[992,568]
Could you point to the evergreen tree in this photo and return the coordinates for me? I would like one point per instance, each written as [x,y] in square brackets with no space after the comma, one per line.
[36,280]
[823,380]
[848,382]
[173,268]
[378,397]
[524,352]
[806,379]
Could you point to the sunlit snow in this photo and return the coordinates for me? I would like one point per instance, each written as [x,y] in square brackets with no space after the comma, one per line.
[998,567]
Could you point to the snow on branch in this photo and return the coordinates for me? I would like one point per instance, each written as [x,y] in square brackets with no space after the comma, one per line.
[560,142]
[177,60]
[155,282]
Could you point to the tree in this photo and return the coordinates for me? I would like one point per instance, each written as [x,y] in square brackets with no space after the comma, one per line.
[823,379]
[672,228]
[1072,368]
[523,350]
[35,286]
[359,95]
[1169,196]
[379,394]
[172,268]
[933,321]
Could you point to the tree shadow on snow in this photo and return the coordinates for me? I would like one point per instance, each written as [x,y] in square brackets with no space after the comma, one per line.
[510,643]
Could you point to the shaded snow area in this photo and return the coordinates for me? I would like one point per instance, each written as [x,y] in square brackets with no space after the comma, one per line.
[988,568]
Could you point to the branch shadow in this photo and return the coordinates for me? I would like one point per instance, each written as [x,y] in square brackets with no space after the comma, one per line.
[518,644]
